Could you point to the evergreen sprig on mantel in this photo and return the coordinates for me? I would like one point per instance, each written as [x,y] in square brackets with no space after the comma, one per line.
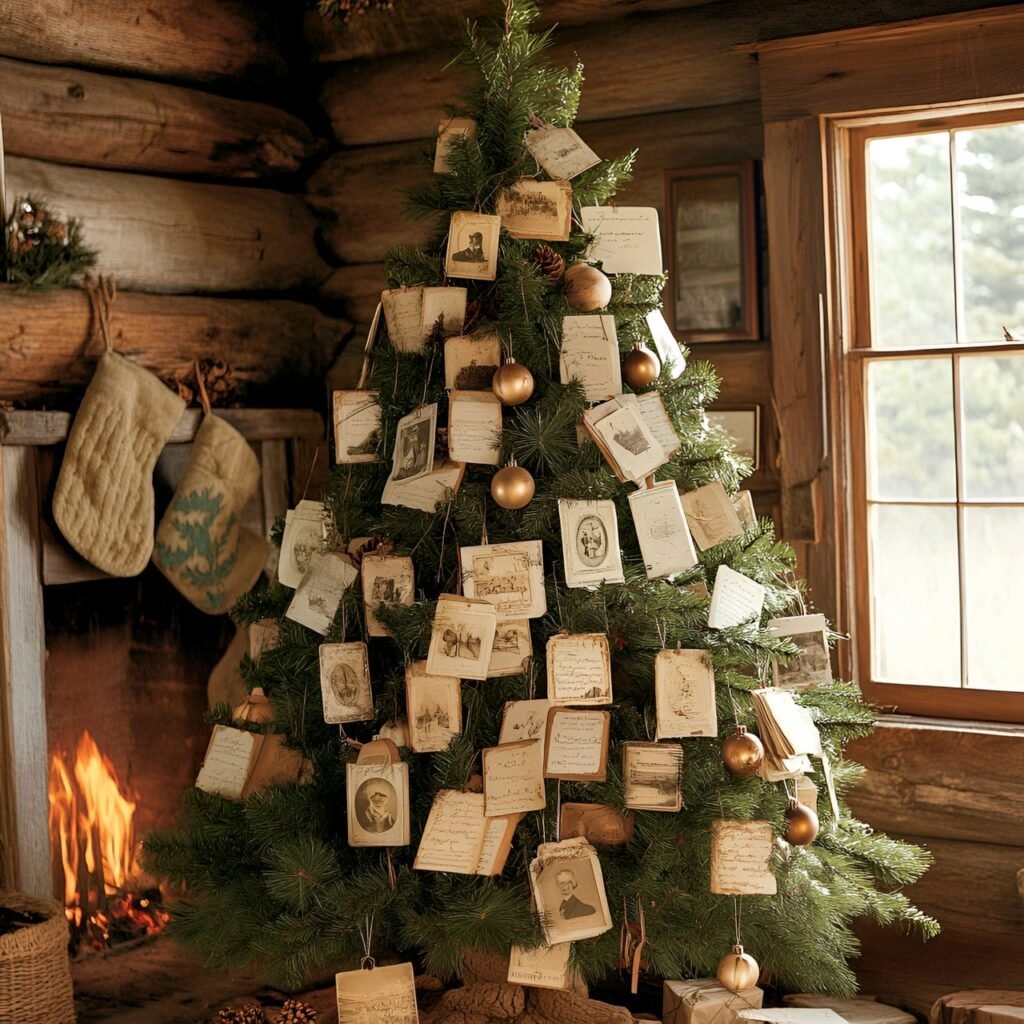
[274,882]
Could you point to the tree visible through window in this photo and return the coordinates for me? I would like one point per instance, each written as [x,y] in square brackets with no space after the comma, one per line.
[937,403]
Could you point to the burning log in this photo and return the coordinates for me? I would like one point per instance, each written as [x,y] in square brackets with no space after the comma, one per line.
[96,870]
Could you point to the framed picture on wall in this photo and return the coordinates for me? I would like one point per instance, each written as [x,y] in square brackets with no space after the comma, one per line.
[712,253]
[743,425]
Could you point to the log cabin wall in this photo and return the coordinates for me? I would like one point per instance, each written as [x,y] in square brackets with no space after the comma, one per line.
[178,132]
[669,78]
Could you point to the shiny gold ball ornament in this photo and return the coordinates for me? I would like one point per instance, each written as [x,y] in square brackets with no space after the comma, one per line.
[586,288]
[512,487]
[737,971]
[640,368]
[742,753]
[801,824]
[512,383]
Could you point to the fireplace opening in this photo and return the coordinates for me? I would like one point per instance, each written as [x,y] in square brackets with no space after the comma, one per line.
[126,673]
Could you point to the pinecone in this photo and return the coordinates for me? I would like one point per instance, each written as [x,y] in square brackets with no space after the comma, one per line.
[251,1014]
[549,262]
[295,1011]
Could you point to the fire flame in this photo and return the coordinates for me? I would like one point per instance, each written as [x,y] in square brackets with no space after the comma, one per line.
[91,828]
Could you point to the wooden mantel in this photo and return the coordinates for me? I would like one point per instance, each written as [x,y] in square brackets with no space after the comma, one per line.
[31,556]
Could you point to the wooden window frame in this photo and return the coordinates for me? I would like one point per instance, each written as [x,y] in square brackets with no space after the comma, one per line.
[846,147]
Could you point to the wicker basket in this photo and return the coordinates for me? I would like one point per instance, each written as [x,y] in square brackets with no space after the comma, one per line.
[35,973]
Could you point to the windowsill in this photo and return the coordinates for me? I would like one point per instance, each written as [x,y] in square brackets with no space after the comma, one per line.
[900,721]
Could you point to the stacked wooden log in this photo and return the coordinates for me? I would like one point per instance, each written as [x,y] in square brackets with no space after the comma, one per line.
[206,267]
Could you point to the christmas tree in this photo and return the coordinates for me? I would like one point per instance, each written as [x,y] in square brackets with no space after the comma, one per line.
[275,881]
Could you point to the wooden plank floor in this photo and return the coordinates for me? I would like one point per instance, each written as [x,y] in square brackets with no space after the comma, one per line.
[160,983]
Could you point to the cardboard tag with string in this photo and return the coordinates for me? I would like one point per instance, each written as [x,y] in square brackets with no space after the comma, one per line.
[376,993]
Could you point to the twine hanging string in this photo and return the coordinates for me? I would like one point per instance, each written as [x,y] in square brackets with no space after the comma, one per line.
[737,917]
[204,398]
[366,936]
[101,292]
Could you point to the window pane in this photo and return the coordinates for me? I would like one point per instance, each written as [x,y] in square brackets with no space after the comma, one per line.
[915,598]
[994,539]
[911,241]
[990,184]
[911,449]
[992,393]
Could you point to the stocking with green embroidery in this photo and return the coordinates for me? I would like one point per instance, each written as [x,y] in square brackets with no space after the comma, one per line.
[201,545]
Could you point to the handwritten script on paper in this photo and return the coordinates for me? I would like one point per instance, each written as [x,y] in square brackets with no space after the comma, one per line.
[740,855]
[497,843]
[228,760]
[384,995]
[403,313]
[735,599]
[627,239]
[514,778]
[590,354]
[474,427]
[579,669]
[454,833]
[684,689]
[577,744]
[424,492]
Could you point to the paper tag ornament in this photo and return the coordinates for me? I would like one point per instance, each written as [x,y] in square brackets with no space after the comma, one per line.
[560,151]
[380,994]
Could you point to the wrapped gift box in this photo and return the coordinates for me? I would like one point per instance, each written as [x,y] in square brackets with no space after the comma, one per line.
[706,1002]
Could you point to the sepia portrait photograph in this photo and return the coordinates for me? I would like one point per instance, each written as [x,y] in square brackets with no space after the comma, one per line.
[568,888]
[473,246]
[812,667]
[378,804]
[537,209]
[512,650]
[590,542]
[387,579]
[433,708]
[651,774]
[414,444]
[509,576]
[471,361]
[462,637]
[356,426]
[345,683]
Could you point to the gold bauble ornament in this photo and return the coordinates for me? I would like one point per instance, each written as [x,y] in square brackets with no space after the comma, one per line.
[801,824]
[256,709]
[742,753]
[737,971]
[512,383]
[512,487]
[640,368]
[586,288]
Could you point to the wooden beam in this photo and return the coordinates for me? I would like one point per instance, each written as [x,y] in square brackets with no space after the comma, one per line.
[45,428]
[22,680]
[664,62]
[184,39]
[360,191]
[972,891]
[273,347]
[406,27]
[66,115]
[941,780]
[358,287]
[160,235]
[953,59]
